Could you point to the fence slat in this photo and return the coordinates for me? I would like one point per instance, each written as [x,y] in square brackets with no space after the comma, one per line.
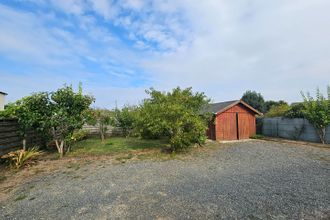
[10,138]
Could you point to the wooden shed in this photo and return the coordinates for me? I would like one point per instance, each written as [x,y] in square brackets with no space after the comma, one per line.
[233,120]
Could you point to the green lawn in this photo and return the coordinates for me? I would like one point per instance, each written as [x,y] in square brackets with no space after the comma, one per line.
[114,145]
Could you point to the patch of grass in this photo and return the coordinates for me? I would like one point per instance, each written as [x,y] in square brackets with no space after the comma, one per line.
[114,145]
[20,197]
[257,136]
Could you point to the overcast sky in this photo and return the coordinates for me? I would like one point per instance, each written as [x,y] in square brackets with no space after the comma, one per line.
[117,49]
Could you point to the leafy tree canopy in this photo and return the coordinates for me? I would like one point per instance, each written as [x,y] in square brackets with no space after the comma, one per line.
[101,118]
[125,118]
[269,104]
[256,100]
[174,114]
[278,110]
[61,111]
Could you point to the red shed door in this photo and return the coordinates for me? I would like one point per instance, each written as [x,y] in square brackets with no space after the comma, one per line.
[227,126]
[246,125]
[243,126]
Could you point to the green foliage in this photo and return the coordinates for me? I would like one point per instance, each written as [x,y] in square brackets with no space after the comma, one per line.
[278,110]
[68,114]
[61,112]
[295,111]
[257,136]
[175,115]
[269,104]
[125,119]
[256,100]
[32,112]
[79,135]
[317,111]
[102,118]
[21,157]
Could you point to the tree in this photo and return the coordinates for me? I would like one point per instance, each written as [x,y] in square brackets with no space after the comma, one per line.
[32,112]
[175,115]
[317,111]
[68,114]
[278,110]
[269,104]
[295,111]
[102,118]
[125,119]
[256,100]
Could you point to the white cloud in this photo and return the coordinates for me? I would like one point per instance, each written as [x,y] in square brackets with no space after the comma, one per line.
[222,47]
[70,6]
[105,8]
[278,48]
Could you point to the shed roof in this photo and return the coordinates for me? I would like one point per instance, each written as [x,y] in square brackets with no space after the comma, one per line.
[3,93]
[219,107]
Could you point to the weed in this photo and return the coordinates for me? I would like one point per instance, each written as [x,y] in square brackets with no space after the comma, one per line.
[257,136]
[21,157]
[20,197]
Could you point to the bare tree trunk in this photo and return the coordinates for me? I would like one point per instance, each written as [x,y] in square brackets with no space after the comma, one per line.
[101,129]
[24,143]
[60,147]
[102,136]
[321,133]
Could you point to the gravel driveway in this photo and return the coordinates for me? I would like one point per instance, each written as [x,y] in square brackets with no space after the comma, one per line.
[246,180]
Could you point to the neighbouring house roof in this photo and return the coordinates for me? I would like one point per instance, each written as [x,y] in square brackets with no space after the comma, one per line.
[217,108]
[3,93]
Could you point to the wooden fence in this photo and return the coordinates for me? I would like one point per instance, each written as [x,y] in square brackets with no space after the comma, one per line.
[94,130]
[10,139]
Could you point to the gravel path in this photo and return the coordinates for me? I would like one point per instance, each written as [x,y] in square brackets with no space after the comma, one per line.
[247,180]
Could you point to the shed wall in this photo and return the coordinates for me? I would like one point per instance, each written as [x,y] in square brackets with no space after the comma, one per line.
[229,126]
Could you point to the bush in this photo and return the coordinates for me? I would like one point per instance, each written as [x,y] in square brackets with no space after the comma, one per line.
[278,110]
[20,158]
[175,115]
[79,135]
[295,111]
[125,119]
[317,111]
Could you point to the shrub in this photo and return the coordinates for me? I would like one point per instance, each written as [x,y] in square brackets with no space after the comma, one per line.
[175,115]
[20,158]
[125,119]
[317,111]
[79,135]
[278,110]
[295,111]
[269,104]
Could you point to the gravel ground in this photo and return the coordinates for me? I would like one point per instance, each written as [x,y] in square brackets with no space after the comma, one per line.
[246,180]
